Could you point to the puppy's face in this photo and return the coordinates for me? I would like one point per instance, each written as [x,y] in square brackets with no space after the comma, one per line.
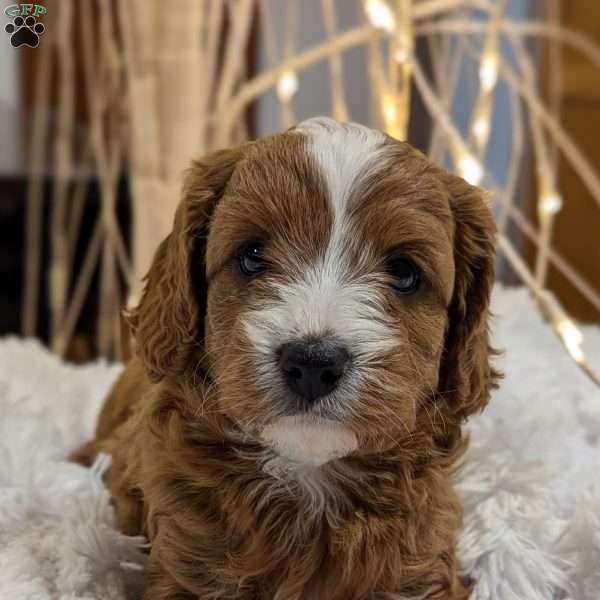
[330,270]
[329,275]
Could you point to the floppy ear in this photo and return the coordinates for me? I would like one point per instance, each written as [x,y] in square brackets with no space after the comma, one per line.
[168,323]
[466,376]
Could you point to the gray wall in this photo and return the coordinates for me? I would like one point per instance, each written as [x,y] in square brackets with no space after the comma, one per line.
[314,94]
[11,156]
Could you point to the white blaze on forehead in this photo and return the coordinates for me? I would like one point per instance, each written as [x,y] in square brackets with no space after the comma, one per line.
[345,153]
[309,441]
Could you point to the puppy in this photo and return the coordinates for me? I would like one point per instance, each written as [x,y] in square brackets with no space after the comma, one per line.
[311,337]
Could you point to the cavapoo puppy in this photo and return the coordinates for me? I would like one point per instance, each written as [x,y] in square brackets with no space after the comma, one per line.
[311,338]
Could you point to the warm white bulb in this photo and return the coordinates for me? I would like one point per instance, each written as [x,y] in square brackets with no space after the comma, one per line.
[550,203]
[401,54]
[287,85]
[380,15]
[488,72]
[389,109]
[481,128]
[571,337]
[470,168]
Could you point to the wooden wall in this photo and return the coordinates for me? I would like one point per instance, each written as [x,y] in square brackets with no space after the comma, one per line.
[577,227]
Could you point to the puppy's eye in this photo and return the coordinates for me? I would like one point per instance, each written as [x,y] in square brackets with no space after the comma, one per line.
[406,275]
[251,260]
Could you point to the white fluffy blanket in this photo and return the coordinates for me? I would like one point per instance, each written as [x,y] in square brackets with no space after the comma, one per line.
[530,488]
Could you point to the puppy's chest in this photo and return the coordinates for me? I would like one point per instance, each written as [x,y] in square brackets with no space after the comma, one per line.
[306,555]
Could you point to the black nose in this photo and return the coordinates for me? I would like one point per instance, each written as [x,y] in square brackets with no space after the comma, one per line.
[312,369]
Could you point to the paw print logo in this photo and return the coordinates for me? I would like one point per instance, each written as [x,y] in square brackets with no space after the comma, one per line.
[25,32]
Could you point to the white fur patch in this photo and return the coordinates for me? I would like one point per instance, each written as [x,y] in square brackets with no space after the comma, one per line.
[309,441]
[320,303]
[345,154]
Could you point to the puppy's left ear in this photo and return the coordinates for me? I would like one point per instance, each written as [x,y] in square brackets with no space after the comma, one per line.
[466,376]
[168,322]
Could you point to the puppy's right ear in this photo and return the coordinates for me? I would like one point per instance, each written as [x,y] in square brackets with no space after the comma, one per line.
[168,322]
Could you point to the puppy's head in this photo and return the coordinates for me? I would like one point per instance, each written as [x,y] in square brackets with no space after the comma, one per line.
[334,284]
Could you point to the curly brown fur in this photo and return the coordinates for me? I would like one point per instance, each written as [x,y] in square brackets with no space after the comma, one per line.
[227,516]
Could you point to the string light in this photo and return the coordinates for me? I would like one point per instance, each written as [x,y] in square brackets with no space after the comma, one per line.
[287,85]
[388,107]
[488,71]
[401,54]
[470,168]
[393,114]
[572,338]
[550,203]
[380,15]
[569,333]
[481,129]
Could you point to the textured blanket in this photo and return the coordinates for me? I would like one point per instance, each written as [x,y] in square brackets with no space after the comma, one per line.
[530,484]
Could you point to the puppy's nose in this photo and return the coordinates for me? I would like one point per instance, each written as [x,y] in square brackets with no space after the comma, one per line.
[312,369]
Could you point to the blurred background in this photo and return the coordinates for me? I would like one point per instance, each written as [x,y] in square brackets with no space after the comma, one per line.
[102,111]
